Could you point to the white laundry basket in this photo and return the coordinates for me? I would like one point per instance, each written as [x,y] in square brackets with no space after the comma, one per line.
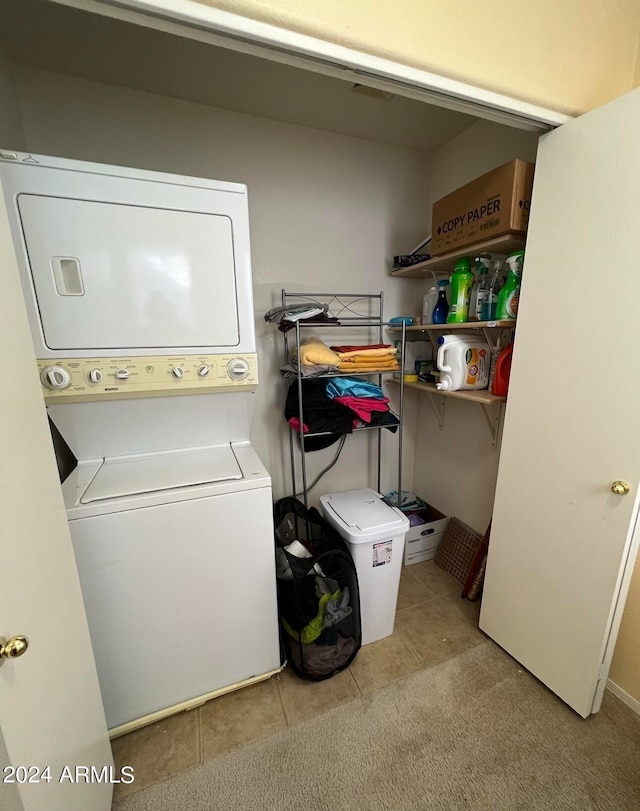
[375,533]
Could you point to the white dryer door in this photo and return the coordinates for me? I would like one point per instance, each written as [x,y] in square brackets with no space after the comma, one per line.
[109,276]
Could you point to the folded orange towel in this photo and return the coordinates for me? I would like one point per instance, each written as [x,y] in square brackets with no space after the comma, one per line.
[346,366]
[372,349]
[354,347]
[373,359]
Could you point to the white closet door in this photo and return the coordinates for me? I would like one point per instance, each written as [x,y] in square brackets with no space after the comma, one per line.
[50,701]
[562,544]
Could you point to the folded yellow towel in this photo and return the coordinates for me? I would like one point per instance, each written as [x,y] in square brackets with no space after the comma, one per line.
[314,352]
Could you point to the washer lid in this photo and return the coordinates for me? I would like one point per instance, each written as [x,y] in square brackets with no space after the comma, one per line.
[364,510]
[145,473]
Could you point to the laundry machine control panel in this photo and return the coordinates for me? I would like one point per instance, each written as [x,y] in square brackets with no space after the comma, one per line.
[85,379]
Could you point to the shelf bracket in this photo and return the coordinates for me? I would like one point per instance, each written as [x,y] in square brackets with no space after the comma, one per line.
[492,415]
[496,341]
[489,339]
[434,340]
[438,408]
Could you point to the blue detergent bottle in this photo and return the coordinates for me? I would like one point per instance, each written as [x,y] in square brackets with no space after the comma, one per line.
[441,310]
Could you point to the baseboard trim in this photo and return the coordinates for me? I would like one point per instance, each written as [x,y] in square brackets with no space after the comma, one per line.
[630,701]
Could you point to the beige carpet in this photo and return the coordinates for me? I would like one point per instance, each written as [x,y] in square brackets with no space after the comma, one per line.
[473,733]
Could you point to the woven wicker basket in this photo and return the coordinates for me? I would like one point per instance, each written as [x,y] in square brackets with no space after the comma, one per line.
[475,589]
[458,550]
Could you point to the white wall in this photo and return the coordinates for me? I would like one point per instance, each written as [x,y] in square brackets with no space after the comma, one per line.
[327,212]
[478,149]
[456,468]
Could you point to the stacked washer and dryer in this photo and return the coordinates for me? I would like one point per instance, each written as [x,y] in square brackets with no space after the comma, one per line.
[138,290]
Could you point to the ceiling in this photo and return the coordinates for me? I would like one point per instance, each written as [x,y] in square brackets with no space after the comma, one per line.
[49,36]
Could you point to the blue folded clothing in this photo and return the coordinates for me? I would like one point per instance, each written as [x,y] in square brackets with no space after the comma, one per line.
[353,387]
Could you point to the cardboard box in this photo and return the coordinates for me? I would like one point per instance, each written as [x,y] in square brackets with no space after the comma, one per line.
[494,204]
[421,541]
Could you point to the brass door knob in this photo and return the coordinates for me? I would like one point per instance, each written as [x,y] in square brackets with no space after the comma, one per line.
[12,648]
[620,488]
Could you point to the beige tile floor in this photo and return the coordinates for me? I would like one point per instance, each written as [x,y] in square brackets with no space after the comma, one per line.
[432,624]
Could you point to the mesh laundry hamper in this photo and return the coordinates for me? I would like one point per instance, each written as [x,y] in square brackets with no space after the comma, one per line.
[318,597]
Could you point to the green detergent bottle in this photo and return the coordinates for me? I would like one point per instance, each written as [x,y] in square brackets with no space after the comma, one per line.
[461,284]
[509,296]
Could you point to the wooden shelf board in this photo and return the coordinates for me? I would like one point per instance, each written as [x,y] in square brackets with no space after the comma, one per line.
[481,396]
[507,243]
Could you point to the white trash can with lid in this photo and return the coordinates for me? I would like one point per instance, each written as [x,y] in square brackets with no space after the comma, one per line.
[375,533]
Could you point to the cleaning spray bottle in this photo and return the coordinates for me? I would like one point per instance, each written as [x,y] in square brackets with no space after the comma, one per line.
[461,283]
[490,303]
[510,294]
[480,288]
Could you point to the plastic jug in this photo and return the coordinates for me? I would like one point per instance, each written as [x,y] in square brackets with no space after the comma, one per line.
[429,302]
[500,384]
[463,363]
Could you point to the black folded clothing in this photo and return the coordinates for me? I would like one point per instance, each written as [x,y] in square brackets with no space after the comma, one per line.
[322,415]
[321,318]
[387,419]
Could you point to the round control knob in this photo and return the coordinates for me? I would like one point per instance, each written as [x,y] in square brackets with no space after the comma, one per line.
[177,371]
[55,377]
[238,369]
[122,374]
[203,369]
[95,375]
